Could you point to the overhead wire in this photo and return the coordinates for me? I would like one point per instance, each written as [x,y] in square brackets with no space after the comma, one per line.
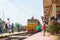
[20,8]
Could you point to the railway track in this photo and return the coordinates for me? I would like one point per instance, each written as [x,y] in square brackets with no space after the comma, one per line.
[16,37]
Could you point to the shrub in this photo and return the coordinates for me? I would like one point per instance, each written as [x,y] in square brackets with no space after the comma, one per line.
[54,27]
[47,30]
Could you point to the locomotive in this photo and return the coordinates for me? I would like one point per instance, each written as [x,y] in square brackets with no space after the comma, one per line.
[32,25]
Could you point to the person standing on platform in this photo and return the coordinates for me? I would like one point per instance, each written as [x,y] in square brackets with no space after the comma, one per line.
[1,27]
[44,28]
[12,28]
[6,27]
[58,18]
[38,28]
[18,26]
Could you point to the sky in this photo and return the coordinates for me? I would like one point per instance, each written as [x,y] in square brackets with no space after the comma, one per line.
[20,10]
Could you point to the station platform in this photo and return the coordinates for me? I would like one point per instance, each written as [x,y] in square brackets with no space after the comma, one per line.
[8,34]
[39,36]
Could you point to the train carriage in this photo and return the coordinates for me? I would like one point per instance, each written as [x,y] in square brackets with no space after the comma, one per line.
[31,25]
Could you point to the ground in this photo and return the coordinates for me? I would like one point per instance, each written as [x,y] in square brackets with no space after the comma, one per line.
[39,36]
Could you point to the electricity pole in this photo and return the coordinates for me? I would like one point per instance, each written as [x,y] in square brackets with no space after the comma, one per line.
[3,15]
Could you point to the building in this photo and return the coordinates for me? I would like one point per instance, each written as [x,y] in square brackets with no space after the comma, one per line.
[51,8]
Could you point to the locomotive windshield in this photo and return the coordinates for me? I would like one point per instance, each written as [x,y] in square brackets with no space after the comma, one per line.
[34,21]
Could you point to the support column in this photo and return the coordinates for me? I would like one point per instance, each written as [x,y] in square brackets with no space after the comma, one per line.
[53,8]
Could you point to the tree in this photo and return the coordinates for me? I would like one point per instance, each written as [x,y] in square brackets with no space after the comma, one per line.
[16,26]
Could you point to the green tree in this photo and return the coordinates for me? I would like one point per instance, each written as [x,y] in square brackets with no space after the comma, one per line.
[16,25]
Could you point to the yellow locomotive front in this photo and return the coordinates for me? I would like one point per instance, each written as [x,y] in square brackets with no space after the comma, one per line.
[31,25]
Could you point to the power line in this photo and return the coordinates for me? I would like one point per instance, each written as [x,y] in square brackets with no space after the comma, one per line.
[20,8]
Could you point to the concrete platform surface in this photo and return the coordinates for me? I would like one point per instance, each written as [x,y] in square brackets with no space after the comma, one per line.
[39,36]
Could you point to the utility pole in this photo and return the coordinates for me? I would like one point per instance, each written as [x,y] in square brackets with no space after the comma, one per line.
[3,15]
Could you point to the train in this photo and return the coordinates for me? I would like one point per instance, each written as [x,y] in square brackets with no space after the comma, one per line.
[32,25]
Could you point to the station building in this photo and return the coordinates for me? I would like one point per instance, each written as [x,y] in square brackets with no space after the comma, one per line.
[51,8]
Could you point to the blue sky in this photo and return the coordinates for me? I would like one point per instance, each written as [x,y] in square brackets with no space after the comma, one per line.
[21,10]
